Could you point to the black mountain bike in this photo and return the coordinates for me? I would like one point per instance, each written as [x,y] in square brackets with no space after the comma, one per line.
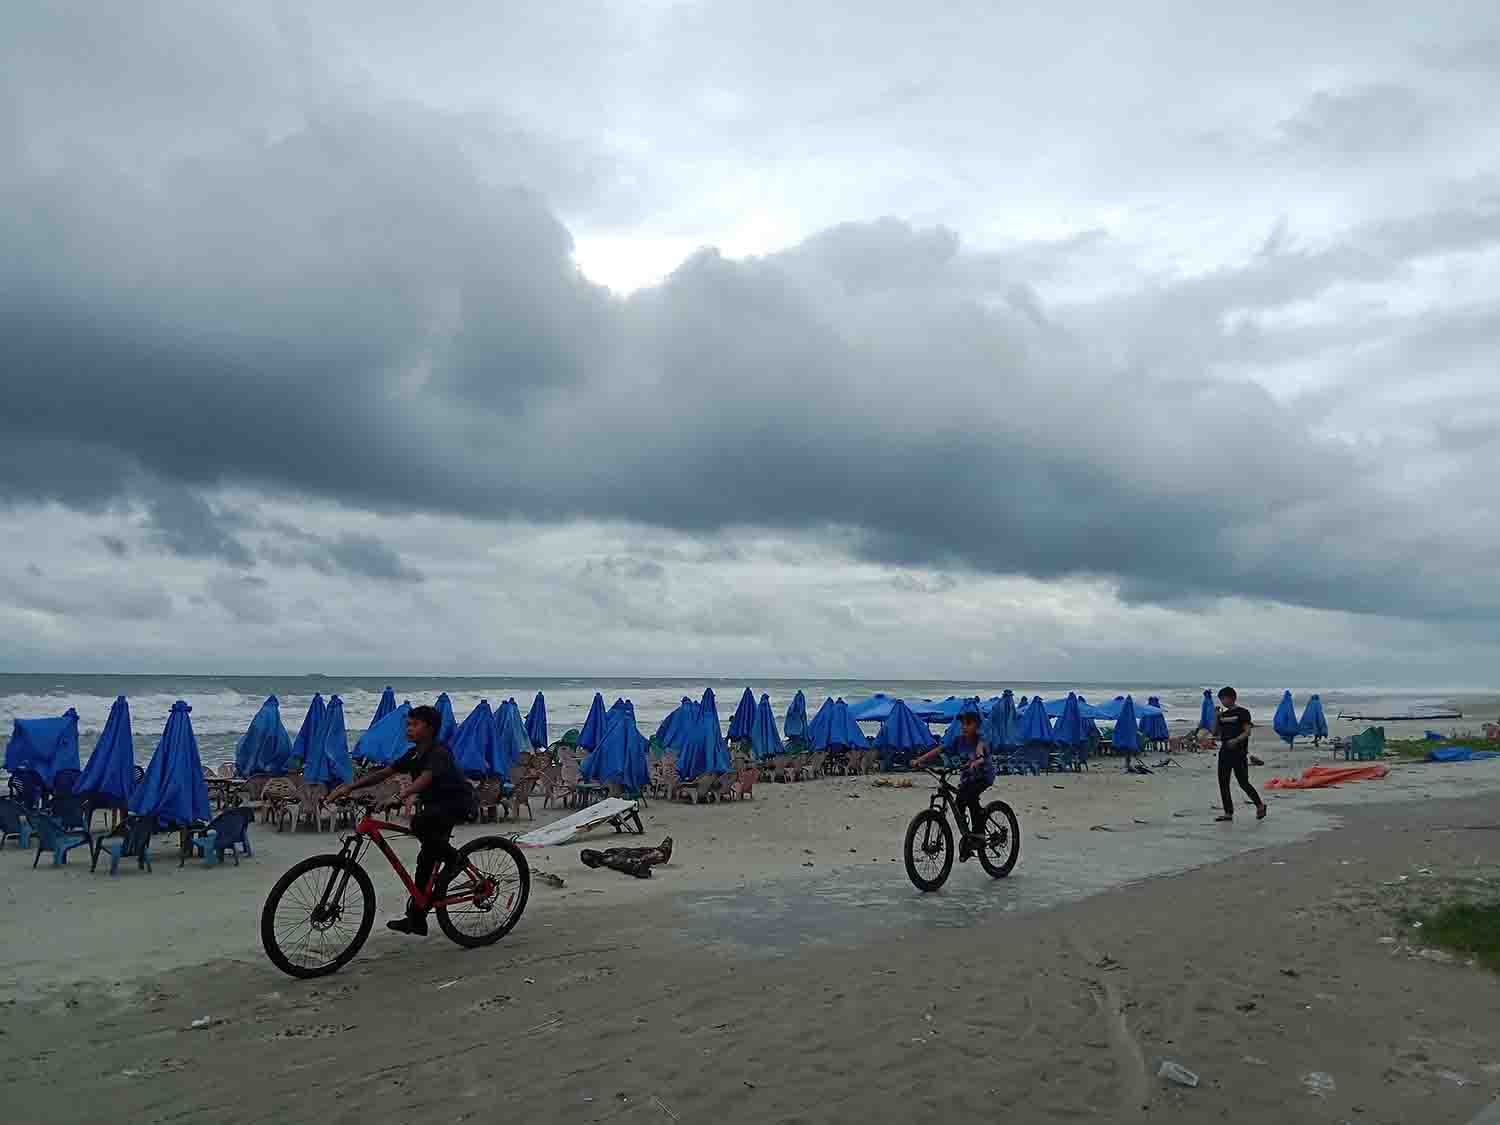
[929,837]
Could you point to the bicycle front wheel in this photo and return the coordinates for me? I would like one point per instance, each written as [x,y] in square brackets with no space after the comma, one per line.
[317,916]
[929,850]
[496,899]
[1002,840]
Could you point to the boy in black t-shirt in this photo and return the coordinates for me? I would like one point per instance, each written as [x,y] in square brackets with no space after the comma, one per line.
[1232,724]
[443,796]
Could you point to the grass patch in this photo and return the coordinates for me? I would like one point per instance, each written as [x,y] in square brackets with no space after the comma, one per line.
[1419,748]
[1471,928]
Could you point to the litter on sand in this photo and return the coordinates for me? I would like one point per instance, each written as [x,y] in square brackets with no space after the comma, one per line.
[1320,777]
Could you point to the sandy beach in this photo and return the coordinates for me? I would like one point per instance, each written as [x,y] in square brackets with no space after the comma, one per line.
[782,968]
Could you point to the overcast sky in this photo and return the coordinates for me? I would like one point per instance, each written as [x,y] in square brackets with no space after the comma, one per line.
[1149,340]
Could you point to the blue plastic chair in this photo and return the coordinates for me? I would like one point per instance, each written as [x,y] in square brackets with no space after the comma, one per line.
[52,836]
[131,839]
[230,827]
[13,822]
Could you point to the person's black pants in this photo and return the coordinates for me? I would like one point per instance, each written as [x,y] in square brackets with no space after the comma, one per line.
[969,790]
[1236,762]
[433,827]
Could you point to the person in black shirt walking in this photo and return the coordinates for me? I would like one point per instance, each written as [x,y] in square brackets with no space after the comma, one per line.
[443,799]
[1232,724]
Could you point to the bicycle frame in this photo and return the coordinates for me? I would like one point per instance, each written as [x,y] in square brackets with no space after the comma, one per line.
[368,831]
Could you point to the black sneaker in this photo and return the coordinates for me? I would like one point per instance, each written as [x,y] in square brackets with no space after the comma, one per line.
[415,925]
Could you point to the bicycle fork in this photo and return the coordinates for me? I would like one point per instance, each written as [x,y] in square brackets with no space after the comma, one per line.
[338,881]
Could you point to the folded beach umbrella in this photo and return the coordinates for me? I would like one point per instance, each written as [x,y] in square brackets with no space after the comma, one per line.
[302,744]
[448,727]
[876,709]
[593,726]
[1035,726]
[902,735]
[1207,716]
[328,762]
[386,740]
[1069,729]
[512,739]
[680,725]
[1313,724]
[1285,722]
[265,746]
[620,707]
[476,743]
[744,715]
[1127,736]
[704,748]
[1002,727]
[536,722]
[795,724]
[111,769]
[173,789]
[386,705]
[44,745]
[765,742]
[819,726]
[844,729]
[1090,714]
[621,756]
[1153,722]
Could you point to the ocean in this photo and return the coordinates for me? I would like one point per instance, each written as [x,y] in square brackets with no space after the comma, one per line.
[223,705]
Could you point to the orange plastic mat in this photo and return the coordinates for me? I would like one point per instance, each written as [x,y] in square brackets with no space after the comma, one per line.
[1318,777]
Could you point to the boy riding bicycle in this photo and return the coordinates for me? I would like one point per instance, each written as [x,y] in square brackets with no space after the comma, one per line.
[978,775]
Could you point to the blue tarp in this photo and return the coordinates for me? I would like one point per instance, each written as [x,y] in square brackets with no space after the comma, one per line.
[620,758]
[593,726]
[265,747]
[173,789]
[329,763]
[475,745]
[902,735]
[744,716]
[1002,727]
[386,705]
[1036,728]
[1460,754]
[385,741]
[536,723]
[1285,723]
[1069,729]
[511,738]
[44,745]
[302,745]
[876,709]
[111,769]
[449,726]
[1207,716]
[1127,737]
[765,742]
[1313,723]
[704,749]
[795,725]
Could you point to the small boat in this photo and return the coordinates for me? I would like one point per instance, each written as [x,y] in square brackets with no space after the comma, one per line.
[1410,717]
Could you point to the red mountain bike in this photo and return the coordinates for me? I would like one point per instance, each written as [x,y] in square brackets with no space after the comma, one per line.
[320,912]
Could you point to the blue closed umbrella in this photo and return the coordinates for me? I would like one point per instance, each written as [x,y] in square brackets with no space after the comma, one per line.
[111,769]
[475,745]
[1036,728]
[1069,729]
[820,724]
[1207,716]
[173,789]
[1127,737]
[536,722]
[795,724]
[744,715]
[1285,722]
[44,745]
[512,741]
[386,705]
[620,707]
[448,726]
[876,709]
[902,735]
[765,742]
[265,746]
[1090,716]
[1153,721]
[621,756]
[704,749]
[680,726]
[329,762]
[386,740]
[1313,724]
[844,729]
[302,745]
[1002,727]
[593,726]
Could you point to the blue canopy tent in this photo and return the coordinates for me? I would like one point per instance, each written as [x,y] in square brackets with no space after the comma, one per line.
[44,745]
[1127,736]
[329,762]
[386,705]
[449,725]
[302,744]
[1036,735]
[876,709]
[386,740]
[512,740]
[1285,722]
[1153,722]
[593,726]
[475,745]
[704,749]
[1314,724]
[901,736]
[621,756]
[765,742]
[795,723]
[744,716]
[173,789]
[536,722]
[265,746]
[110,773]
[1207,716]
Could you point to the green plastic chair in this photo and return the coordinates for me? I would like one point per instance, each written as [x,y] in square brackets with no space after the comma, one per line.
[1366,746]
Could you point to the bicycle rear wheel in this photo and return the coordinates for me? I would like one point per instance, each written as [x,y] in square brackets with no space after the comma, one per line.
[500,894]
[929,850]
[317,916]
[1002,840]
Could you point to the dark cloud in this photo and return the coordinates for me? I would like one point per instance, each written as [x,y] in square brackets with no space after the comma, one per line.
[242,596]
[1363,121]
[187,525]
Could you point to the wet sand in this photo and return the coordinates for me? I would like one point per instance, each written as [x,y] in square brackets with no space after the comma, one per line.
[740,984]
